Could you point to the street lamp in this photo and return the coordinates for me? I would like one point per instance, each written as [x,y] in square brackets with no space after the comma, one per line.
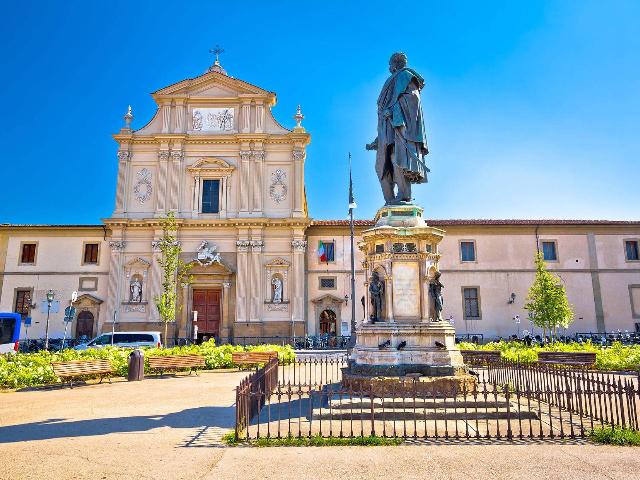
[50,297]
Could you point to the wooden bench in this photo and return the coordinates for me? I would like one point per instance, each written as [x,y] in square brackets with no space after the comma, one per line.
[176,362]
[480,357]
[82,368]
[574,359]
[252,358]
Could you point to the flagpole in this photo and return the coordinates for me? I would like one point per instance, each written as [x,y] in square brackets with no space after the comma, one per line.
[353,262]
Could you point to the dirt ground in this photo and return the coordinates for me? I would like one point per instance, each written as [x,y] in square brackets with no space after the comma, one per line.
[170,428]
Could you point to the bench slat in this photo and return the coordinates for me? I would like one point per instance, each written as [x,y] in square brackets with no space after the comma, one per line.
[77,368]
[247,358]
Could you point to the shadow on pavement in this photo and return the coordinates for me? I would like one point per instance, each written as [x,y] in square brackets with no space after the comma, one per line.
[201,417]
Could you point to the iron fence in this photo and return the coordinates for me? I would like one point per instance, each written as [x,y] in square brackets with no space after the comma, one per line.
[305,342]
[508,401]
[252,391]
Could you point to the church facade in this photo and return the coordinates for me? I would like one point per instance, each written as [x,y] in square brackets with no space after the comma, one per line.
[216,157]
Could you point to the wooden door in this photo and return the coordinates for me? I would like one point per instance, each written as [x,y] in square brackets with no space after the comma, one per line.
[207,304]
[84,325]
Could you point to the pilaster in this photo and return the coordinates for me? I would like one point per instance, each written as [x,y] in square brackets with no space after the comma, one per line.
[163,158]
[242,247]
[245,163]
[258,166]
[298,248]
[115,275]
[176,164]
[256,261]
[123,157]
[298,181]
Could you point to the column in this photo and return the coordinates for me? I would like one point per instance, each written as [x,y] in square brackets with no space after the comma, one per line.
[245,157]
[298,181]
[245,117]
[388,293]
[163,157]
[241,281]
[115,274]
[255,276]
[174,178]
[258,158]
[123,156]
[298,246]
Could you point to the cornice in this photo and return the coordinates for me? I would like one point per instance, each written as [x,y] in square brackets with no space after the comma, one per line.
[219,139]
[230,223]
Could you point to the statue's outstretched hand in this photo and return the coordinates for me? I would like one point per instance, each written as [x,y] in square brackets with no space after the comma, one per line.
[373,145]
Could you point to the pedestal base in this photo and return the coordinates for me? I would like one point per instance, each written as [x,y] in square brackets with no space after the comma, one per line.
[397,349]
[393,387]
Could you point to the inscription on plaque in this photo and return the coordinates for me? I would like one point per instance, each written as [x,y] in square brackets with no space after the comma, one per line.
[406,290]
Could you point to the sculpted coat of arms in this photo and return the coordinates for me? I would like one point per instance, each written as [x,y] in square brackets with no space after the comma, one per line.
[207,255]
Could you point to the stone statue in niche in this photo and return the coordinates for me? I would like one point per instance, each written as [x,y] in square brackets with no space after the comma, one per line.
[376,291]
[135,290]
[435,291]
[276,282]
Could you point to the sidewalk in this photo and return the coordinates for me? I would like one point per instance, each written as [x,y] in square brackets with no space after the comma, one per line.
[479,462]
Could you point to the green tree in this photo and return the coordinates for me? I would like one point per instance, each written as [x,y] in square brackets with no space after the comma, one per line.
[174,272]
[547,300]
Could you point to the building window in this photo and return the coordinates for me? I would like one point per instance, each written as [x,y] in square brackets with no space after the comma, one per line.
[90,253]
[549,251]
[380,248]
[28,254]
[23,303]
[327,283]
[326,251]
[471,303]
[632,253]
[468,251]
[211,196]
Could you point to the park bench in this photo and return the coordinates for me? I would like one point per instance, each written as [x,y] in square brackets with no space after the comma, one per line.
[480,357]
[575,359]
[252,358]
[82,368]
[176,362]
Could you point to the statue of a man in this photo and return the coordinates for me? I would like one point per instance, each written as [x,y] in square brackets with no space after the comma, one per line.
[135,291]
[376,291]
[435,290]
[401,144]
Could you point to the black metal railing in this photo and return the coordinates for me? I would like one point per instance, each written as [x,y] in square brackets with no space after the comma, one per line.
[252,391]
[507,401]
[307,342]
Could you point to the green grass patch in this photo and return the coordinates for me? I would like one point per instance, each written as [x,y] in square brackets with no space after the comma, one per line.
[316,441]
[616,436]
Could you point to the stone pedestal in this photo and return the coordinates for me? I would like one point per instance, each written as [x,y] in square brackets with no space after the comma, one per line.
[409,339]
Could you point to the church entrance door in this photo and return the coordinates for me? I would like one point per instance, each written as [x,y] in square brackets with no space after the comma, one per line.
[328,323]
[84,325]
[207,304]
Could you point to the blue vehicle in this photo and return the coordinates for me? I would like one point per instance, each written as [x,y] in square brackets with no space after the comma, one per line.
[9,332]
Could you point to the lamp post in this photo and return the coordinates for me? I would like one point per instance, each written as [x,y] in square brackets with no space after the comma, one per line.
[50,297]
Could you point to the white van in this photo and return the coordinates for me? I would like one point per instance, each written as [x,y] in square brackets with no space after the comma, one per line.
[124,339]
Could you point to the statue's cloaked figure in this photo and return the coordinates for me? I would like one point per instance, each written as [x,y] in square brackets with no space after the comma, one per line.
[401,144]
[435,290]
[376,291]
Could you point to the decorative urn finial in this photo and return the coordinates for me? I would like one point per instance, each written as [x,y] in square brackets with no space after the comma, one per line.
[128,118]
[298,117]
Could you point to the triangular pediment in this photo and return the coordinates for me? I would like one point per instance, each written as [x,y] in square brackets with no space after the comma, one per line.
[212,84]
[328,298]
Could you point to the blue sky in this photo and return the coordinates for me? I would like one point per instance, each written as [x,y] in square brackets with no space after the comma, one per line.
[532,108]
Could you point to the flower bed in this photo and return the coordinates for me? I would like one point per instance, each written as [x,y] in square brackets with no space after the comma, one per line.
[616,357]
[32,369]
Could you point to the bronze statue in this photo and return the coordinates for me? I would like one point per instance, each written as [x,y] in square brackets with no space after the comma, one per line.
[376,290]
[435,291]
[401,144]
